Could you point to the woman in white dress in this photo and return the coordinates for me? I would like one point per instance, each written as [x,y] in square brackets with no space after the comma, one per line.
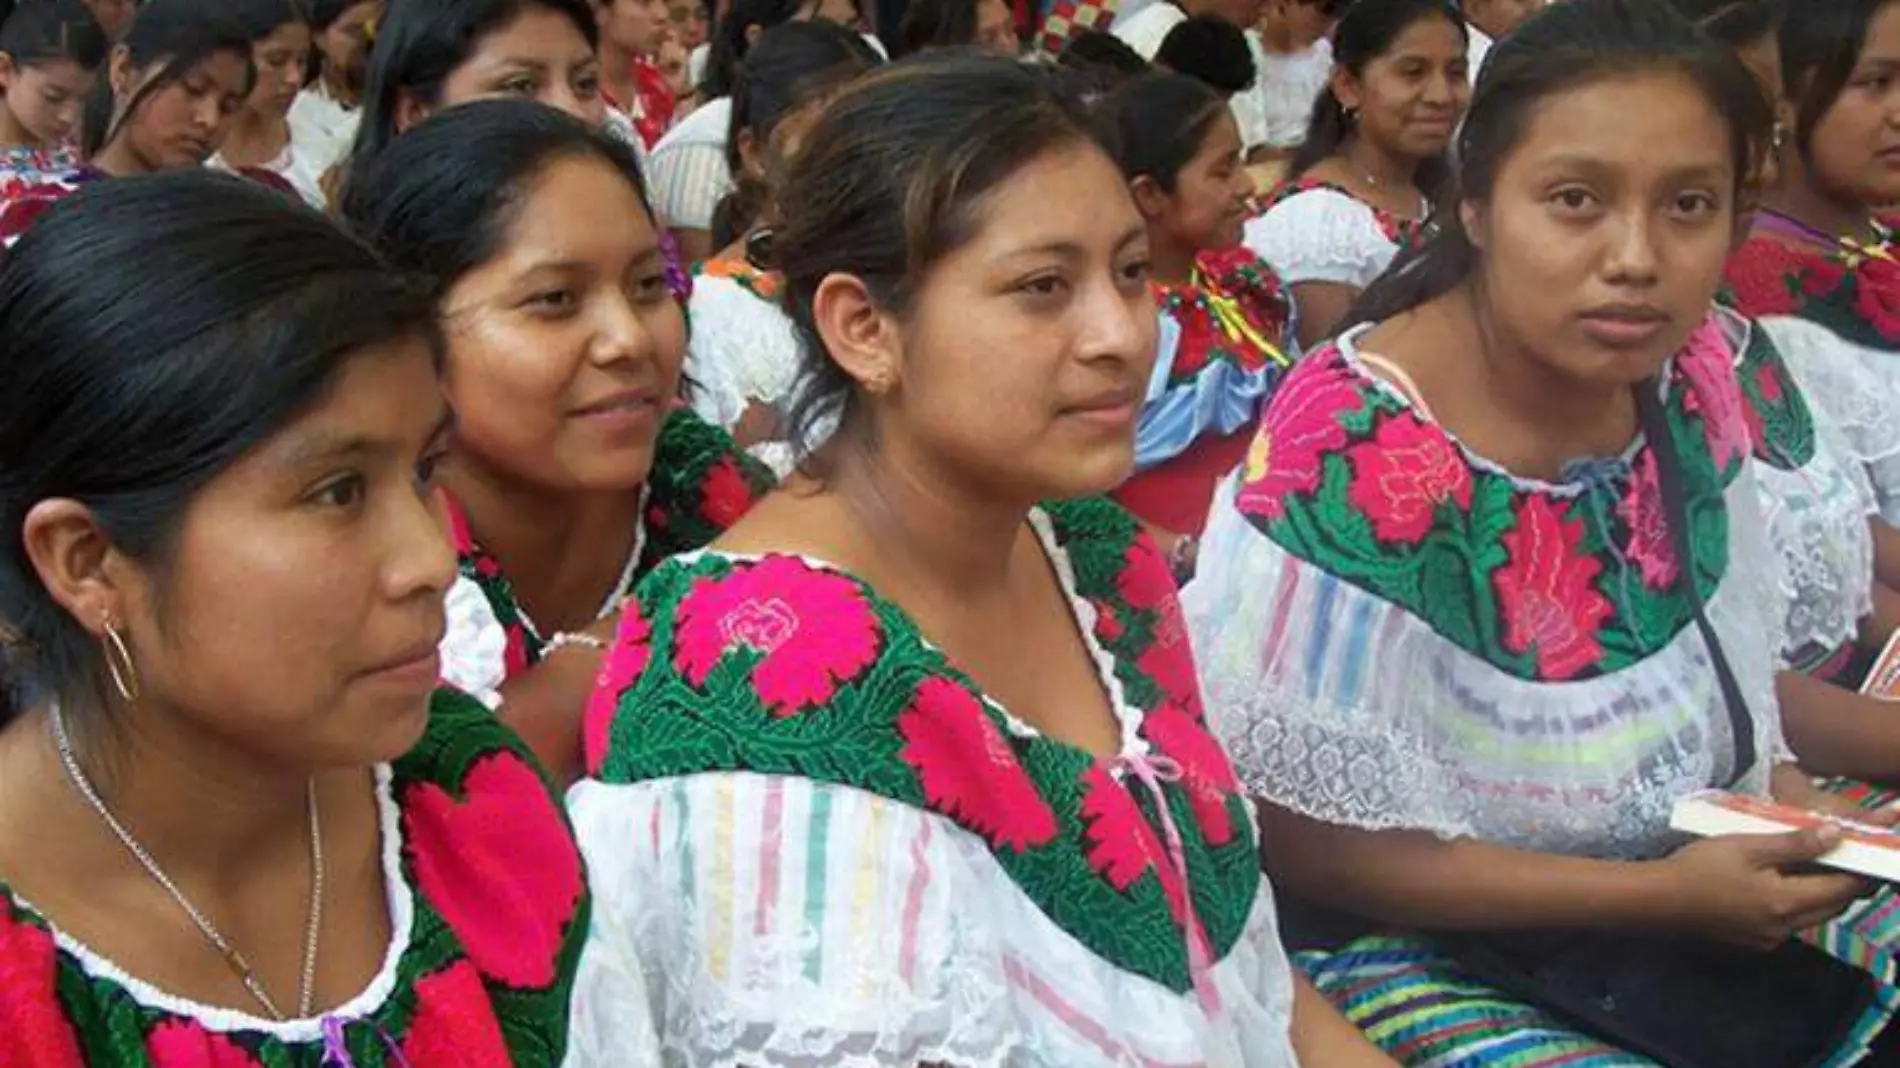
[261,142]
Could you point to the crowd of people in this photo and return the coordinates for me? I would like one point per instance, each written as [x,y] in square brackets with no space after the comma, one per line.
[965,533]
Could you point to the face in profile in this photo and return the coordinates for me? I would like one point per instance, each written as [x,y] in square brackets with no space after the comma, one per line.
[46,98]
[181,123]
[1025,355]
[565,348]
[636,26]
[1410,97]
[540,56]
[303,601]
[1208,207]
[1854,154]
[345,43]
[1607,229]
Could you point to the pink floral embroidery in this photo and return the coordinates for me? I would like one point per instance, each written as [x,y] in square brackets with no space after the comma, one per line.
[1708,368]
[1650,543]
[1300,427]
[499,865]
[455,1022]
[1403,475]
[1119,844]
[1146,586]
[625,663]
[968,770]
[185,1044]
[34,1031]
[1206,774]
[813,629]
[1551,608]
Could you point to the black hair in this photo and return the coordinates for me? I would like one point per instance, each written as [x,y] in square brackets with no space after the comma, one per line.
[1365,32]
[229,315]
[1561,48]
[1736,23]
[791,65]
[1819,48]
[1155,125]
[1212,50]
[439,200]
[47,31]
[935,24]
[258,19]
[1105,50]
[323,15]
[421,42]
[894,177]
[180,34]
[729,43]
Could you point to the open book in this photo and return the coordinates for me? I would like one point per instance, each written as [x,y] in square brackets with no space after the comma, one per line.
[1864,849]
[1883,681]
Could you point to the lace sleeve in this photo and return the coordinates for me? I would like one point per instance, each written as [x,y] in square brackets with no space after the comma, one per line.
[780,922]
[1321,236]
[474,647]
[1846,387]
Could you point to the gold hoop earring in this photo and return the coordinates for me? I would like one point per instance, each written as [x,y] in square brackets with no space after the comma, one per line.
[125,673]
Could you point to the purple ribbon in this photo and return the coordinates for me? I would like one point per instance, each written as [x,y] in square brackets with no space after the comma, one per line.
[336,1052]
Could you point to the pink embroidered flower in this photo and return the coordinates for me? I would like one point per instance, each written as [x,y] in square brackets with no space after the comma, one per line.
[1768,384]
[813,629]
[968,770]
[455,1022]
[1300,427]
[1206,774]
[1551,608]
[1707,365]
[181,1043]
[1403,475]
[1650,543]
[725,496]
[499,865]
[1145,585]
[625,663]
[1119,844]
[34,1031]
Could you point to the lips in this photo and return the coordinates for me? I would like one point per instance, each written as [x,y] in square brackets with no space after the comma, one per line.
[625,402]
[1622,325]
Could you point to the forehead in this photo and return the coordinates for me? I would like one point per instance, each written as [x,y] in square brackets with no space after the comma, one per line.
[536,35]
[1070,197]
[579,211]
[1644,126]
[1430,37]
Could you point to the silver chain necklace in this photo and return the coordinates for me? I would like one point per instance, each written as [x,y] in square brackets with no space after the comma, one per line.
[245,973]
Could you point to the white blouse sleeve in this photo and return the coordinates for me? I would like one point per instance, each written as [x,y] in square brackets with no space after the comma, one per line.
[1845,386]
[1321,236]
[474,647]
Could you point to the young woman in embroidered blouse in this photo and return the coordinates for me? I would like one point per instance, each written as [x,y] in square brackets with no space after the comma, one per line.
[236,828]
[1373,159]
[323,120]
[631,35]
[1223,315]
[573,469]
[51,53]
[744,355]
[1443,614]
[172,85]
[908,767]
[259,143]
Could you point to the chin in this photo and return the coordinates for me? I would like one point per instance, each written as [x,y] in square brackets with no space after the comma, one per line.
[1088,475]
[383,730]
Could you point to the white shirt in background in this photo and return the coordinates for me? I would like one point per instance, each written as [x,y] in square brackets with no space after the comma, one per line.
[1475,52]
[1144,30]
[687,170]
[1275,111]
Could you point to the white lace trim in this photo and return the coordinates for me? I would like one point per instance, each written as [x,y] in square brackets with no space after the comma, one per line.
[1855,388]
[1321,235]
[225,1020]
[744,350]
[474,647]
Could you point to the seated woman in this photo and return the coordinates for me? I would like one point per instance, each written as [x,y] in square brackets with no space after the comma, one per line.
[574,469]
[259,142]
[1223,313]
[53,52]
[1373,159]
[744,355]
[175,79]
[1492,595]
[323,120]
[238,824]
[935,741]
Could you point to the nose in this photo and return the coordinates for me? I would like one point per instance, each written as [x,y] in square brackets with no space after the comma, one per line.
[1117,326]
[209,112]
[1631,258]
[421,559]
[624,335]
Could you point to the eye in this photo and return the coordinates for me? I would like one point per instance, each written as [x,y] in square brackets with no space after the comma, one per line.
[1134,273]
[344,491]
[651,288]
[553,302]
[519,86]
[426,467]
[1042,286]
[1695,204]
[587,84]
[1572,199]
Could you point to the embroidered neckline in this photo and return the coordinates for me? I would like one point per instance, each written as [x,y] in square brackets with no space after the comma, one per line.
[1232,310]
[1853,290]
[1400,231]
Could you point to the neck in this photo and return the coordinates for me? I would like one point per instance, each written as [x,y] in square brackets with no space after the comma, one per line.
[254,138]
[553,546]
[938,535]
[1276,37]
[1798,198]
[1173,261]
[616,66]
[118,160]
[12,134]
[1387,170]
[1573,417]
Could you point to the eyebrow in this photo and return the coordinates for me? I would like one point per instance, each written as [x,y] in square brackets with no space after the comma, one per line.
[1594,165]
[322,447]
[1071,250]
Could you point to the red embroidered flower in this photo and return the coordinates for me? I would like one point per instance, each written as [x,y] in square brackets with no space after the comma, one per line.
[625,663]
[968,770]
[181,1043]
[34,1031]
[1201,334]
[725,496]
[1767,393]
[1551,608]
[499,865]
[1300,427]
[1108,622]
[1877,295]
[1707,365]
[1206,774]
[1820,276]
[1146,585]
[1760,278]
[813,629]
[455,1022]
[1119,844]
[1403,475]
[1642,508]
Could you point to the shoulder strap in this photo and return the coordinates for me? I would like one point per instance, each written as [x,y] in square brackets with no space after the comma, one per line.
[1655,425]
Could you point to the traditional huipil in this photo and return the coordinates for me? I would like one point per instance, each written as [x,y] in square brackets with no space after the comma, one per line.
[1399,634]
[488,909]
[744,352]
[836,848]
[1220,356]
[700,485]
[1312,230]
